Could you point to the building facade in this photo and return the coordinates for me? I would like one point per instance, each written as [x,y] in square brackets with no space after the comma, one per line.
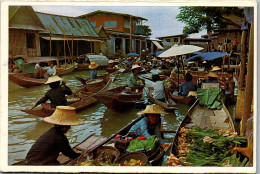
[124,31]
[173,39]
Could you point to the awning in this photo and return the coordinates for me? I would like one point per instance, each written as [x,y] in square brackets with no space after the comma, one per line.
[206,56]
[62,38]
[157,44]
[40,59]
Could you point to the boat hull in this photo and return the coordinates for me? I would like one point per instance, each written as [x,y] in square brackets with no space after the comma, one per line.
[26,82]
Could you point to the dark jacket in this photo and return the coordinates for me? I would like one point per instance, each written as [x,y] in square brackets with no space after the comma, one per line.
[56,96]
[47,148]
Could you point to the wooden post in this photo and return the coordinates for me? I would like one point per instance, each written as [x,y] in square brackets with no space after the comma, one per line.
[72,51]
[65,51]
[249,82]
[178,74]
[50,44]
[243,60]
[77,48]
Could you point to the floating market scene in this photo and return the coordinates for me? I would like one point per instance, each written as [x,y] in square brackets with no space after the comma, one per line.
[116,86]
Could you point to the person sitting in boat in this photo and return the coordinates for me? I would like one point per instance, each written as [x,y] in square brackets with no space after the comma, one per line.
[110,63]
[93,70]
[39,72]
[134,80]
[150,124]
[130,62]
[51,70]
[156,88]
[47,148]
[56,94]
[212,77]
[188,85]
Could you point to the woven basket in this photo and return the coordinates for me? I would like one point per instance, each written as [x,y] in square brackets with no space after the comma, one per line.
[107,154]
[240,104]
[96,86]
[134,155]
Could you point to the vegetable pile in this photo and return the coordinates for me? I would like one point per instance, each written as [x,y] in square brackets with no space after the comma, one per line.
[133,162]
[142,145]
[207,147]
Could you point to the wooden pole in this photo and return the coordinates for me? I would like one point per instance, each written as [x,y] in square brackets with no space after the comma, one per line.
[50,44]
[72,50]
[65,51]
[249,83]
[178,74]
[77,48]
[243,60]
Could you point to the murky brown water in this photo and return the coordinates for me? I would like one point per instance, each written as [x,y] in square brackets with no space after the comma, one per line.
[25,129]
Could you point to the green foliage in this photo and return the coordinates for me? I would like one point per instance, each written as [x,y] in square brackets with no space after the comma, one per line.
[146,30]
[210,154]
[142,145]
[206,18]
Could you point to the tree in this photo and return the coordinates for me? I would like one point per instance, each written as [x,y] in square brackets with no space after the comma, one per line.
[145,30]
[209,18]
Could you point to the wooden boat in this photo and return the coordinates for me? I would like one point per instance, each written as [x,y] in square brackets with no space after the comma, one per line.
[183,99]
[204,118]
[91,144]
[84,100]
[119,97]
[24,81]
[62,71]
[84,81]
[169,105]
[111,70]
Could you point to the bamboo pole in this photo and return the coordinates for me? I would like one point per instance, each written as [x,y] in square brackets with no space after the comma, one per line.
[72,51]
[65,51]
[178,74]
[243,60]
[50,44]
[249,83]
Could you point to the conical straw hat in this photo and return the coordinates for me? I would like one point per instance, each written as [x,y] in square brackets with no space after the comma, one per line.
[212,74]
[93,65]
[192,93]
[216,68]
[64,115]
[110,61]
[53,79]
[204,61]
[153,109]
[135,66]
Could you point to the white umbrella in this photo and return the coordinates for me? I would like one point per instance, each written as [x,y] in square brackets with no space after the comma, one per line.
[177,50]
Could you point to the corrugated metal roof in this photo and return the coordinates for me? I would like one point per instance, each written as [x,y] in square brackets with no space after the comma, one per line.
[65,25]
[115,13]
[24,17]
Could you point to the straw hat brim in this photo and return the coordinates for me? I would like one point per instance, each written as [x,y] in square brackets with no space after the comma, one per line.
[212,74]
[52,79]
[93,66]
[216,68]
[153,109]
[135,67]
[65,116]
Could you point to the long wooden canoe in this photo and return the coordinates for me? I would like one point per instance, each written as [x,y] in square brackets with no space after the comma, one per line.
[27,81]
[83,81]
[183,99]
[204,118]
[169,105]
[85,100]
[111,70]
[117,98]
[62,71]
[24,81]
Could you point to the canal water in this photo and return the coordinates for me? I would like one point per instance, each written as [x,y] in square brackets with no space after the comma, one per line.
[25,129]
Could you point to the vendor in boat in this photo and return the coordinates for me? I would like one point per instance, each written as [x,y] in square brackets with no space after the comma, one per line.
[150,124]
[156,88]
[51,70]
[93,70]
[56,94]
[188,85]
[134,80]
[110,63]
[47,148]
[212,77]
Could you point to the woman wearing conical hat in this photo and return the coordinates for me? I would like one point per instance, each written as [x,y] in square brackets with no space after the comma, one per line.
[150,124]
[56,94]
[47,148]
[93,70]
[134,79]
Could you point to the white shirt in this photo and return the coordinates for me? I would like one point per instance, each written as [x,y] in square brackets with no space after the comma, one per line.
[51,71]
[158,89]
[37,66]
